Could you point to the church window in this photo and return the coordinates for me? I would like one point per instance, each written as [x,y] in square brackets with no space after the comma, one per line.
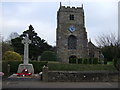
[71,17]
[72,42]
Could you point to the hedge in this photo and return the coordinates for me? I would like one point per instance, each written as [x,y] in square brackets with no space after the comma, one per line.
[116,63]
[105,61]
[72,60]
[95,61]
[5,67]
[85,61]
[80,60]
[79,67]
[38,65]
[14,66]
[90,61]
[48,56]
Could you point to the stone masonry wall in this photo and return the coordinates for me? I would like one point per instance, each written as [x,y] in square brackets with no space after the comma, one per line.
[73,76]
[63,33]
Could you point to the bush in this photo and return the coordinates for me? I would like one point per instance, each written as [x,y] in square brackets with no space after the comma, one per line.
[80,60]
[117,63]
[95,61]
[5,67]
[105,61]
[90,61]
[48,56]
[11,55]
[14,66]
[38,65]
[85,61]
[72,60]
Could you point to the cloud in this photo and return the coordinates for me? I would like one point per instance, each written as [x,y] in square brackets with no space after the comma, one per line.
[100,17]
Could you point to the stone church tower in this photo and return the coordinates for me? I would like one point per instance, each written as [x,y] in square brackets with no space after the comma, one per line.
[71,33]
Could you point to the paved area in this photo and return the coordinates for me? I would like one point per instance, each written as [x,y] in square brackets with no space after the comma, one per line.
[39,84]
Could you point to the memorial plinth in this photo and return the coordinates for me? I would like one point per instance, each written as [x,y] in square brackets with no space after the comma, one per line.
[29,67]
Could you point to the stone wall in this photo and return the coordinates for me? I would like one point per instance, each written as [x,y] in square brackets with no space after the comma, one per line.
[74,76]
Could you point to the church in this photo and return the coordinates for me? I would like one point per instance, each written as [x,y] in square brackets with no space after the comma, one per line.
[71,35]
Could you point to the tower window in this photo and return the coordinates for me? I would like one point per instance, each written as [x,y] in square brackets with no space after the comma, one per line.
[72,42]
[71,17]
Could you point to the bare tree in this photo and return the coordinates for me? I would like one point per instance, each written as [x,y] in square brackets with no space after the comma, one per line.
[110,46]
[13,35]
[107,40]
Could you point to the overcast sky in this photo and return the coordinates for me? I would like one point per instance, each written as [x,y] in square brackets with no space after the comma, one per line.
[101,16]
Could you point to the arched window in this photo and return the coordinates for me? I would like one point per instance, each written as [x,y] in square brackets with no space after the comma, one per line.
[72,42]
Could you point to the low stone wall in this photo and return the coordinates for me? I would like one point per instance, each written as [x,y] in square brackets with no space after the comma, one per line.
[73,76]
[81,76]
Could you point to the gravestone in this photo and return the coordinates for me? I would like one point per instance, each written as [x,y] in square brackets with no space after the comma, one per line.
[26,64]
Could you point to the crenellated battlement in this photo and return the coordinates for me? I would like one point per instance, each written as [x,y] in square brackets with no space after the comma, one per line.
[68,8]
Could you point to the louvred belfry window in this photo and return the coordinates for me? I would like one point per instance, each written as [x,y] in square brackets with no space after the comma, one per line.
[71,17]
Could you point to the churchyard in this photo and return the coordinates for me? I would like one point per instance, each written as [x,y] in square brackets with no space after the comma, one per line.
[77,70]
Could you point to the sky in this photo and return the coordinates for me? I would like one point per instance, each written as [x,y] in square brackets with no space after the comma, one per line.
[101,16]
[119,20]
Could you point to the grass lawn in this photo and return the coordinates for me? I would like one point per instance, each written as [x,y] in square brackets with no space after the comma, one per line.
[110,63]
[80,67]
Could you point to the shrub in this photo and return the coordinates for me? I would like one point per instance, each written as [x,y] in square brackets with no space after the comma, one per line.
[105,61]
[5,67]
[80,60]
[72,60]
[38,65]
[85,61]
[117,63]
[11,55]
[14,66]
[95,61]
[90,61]
[48,56]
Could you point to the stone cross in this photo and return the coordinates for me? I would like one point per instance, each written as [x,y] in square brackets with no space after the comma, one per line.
[26,43]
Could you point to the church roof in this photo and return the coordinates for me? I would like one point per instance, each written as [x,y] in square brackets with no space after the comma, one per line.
[90,44]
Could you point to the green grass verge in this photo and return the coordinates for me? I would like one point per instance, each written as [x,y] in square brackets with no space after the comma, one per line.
[80,67]
[110,63]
